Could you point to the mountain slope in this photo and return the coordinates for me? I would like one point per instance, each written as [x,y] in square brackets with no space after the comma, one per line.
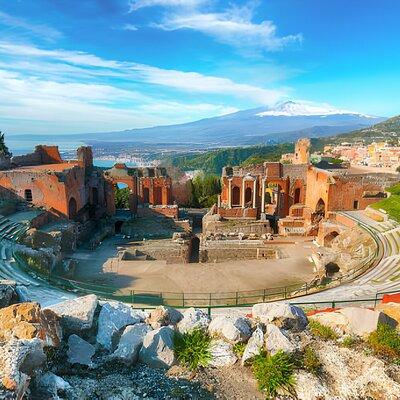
[285,122]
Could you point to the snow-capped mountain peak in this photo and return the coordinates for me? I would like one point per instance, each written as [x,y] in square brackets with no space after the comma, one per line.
[294,108]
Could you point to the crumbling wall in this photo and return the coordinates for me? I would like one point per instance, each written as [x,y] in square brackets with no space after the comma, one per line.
[223,253]
[42,155]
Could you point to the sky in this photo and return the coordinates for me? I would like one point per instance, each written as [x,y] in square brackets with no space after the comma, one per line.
[99,65]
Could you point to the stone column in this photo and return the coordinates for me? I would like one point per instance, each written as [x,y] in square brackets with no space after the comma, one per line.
[243,190]
[263,196]
[254,192]
[229,193]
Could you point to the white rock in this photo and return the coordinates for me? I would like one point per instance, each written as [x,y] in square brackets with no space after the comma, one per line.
[232,328]
[284,315]
[131,342]
[158,348]
[48,385]
[113,317]
[276,339]
[76,314]
[163,316]
[193,318]
[254,345]
[353,320]
[79,351]
[19,360]
[222,354]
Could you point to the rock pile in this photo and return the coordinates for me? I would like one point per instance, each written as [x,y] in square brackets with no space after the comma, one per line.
[90,349]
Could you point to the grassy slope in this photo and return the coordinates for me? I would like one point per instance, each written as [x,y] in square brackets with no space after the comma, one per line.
[391,204]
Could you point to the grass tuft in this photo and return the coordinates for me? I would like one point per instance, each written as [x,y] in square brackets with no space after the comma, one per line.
[322,331]
[310,361]
[238,349]
[192,349]
[274,374]
[385,341]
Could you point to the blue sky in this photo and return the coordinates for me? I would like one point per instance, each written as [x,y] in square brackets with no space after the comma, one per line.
[99,65]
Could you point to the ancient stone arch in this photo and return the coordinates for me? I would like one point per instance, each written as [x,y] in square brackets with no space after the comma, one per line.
[329,238]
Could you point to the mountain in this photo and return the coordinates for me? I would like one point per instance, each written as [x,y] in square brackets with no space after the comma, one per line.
[285,122]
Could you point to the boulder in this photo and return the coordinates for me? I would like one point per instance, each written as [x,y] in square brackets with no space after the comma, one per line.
[49,385]
[8,293]
[76,314]
[19,360]
[276,339]
[193,318]
[28,321]
[131,342]
[231,328]
[284,315]
[222,354]
[113,317]
[354,320]
[158,348]
[390,309]
[254,345]
[79,351]
[164,316]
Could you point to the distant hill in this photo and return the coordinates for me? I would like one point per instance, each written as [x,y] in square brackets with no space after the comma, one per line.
[386,130]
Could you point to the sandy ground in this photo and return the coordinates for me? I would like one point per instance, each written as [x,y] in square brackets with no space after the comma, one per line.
[100,266]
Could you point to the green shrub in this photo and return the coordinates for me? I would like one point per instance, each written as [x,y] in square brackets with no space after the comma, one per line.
[238,349]
[274,373]
[385,341]
[192,349]
[310,361]
[322,331]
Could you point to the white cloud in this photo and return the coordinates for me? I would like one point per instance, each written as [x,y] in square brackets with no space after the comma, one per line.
[180,80]
[233,27]
[39,30]
[129,27]
[137,4]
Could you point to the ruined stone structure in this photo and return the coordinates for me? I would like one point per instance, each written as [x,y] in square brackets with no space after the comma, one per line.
[70,189]
[296,194]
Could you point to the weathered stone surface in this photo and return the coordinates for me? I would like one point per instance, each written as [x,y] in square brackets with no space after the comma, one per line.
[113,317]
[8,293]
[308,387]
[254,345]
[232,328]
[193,318]
[390,309]
[49,385]
[131,342]
[164,316]
[222,354]
[158,348]
[76,314]
[275,340]
[28,321]
[354,320]
[19,360]
[283,315]
[79,351]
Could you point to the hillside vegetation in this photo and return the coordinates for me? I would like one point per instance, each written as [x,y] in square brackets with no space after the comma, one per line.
[391,204]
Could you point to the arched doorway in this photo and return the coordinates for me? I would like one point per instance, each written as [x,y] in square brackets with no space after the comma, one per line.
[235,196]
[331,269]
[157,193]
[329,238]
[194,249]
[268,198]
[248,195]
[320,208]
[118,226]
[297,193]
[146,195]
[72,208]
[122,193]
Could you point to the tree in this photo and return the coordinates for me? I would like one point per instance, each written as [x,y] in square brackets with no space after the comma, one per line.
[3,148]
[122,198]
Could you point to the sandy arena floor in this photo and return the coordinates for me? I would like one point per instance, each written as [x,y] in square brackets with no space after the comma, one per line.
[100,266]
